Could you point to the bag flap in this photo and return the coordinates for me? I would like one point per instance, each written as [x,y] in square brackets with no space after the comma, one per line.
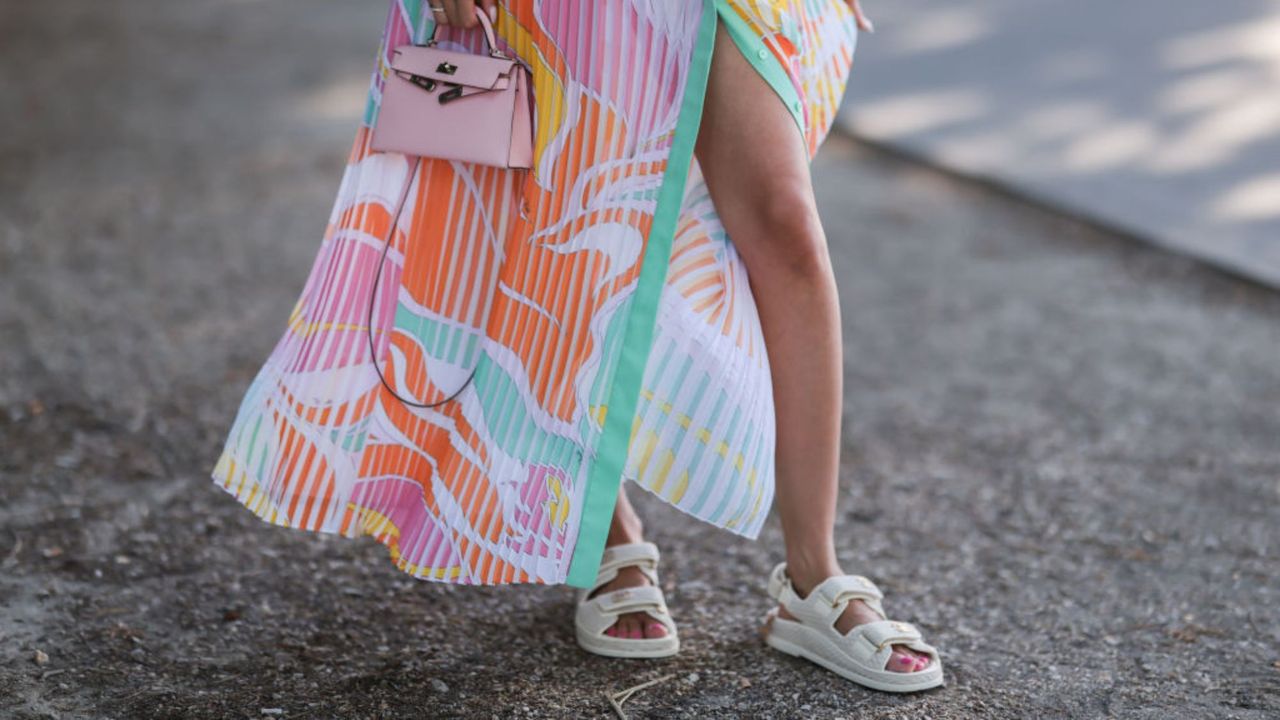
[457,68]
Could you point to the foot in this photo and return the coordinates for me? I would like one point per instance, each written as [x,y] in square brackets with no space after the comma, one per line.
[857,612]
[626,528]
[635,625]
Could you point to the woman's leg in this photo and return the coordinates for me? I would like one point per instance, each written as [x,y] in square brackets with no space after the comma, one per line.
[757,172]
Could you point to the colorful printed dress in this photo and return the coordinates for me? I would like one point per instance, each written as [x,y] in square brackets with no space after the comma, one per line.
[600,304]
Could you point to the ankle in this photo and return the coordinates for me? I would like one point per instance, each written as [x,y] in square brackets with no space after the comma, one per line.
[624,532]
[807,573]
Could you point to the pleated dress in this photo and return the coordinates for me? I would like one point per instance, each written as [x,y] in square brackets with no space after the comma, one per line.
[595,303]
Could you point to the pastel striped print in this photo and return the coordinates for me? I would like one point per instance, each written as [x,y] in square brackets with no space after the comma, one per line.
[604,281]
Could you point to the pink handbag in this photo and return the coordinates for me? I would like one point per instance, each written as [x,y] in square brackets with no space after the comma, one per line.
[450,105]
[457,105]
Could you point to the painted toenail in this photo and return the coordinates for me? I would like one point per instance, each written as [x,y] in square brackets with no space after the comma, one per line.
[905,660]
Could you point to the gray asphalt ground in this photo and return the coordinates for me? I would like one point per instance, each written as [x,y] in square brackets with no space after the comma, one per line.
[1062,450]
[1159,116]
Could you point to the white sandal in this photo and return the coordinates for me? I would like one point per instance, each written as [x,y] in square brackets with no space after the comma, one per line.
[863,653]
[597,614]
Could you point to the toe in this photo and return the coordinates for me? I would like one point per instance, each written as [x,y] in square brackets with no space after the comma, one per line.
[914,661]
[654,629]
[901,662]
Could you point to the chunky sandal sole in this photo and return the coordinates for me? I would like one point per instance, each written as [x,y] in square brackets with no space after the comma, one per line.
[795,639]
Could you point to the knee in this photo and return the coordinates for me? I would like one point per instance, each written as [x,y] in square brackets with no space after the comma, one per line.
[787,232]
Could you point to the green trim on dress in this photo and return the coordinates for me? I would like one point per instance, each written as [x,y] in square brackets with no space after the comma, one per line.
[605,474]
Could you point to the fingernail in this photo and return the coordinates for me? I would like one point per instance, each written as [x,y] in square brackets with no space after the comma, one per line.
[871,28]
[493,13]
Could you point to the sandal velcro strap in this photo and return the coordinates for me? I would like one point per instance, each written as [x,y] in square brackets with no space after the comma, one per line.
[837,589]
[827,601]
[889,632]
[599,613]
[643,555]
[779,583]
[634,599]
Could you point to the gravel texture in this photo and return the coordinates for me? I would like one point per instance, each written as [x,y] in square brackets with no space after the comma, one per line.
[1062,450]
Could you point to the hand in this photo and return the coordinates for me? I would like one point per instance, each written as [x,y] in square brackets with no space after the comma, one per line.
[864,22]
[460,13]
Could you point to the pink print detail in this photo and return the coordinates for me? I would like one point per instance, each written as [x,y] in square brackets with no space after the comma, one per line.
[542,507]
[401,501]
[333,319]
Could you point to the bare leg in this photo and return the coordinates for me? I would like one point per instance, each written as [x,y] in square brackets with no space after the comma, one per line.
[627,528]
[757,171]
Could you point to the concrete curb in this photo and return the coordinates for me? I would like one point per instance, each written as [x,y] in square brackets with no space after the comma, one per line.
[1261,275]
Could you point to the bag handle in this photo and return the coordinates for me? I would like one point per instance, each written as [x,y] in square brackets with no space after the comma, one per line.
[377,278]
[373,294]
[490,37]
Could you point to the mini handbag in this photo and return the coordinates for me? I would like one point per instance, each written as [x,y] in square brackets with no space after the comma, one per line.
[456,105]
[451,105]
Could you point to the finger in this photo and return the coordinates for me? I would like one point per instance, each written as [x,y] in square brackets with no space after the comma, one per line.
[438,12]
[451,9]
[467,13]
[490,7]
[864,22]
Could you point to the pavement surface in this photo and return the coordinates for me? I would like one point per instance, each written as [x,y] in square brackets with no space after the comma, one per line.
[1160,118]
[1061,454]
